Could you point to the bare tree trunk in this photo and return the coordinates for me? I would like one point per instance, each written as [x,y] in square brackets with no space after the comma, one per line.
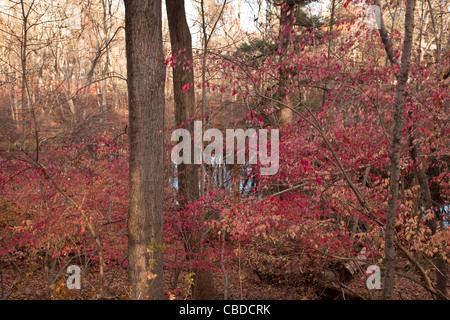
[287,18]
[23,62]
[385,37]
[188,183]
[205,112]
[396,147]
[325,92]
[183,74]
[13,103]
[436,33]
[106,30]
[146,80]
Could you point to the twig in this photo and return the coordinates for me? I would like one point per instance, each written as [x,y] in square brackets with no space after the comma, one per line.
[101,294]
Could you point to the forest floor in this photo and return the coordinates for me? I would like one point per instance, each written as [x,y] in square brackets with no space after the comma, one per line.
[244,283]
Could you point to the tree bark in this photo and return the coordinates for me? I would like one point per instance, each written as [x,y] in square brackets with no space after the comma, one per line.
[396,146]
[325,92]
[183,74]
[188,182]
[146,80]
[385,36]
[287,18]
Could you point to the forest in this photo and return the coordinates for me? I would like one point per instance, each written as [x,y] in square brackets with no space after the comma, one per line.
[224,150]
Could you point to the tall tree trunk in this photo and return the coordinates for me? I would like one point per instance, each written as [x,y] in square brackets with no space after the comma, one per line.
[106,30]
[23,60]
[146,80]
[325,92]
[13,102]
[183,74]
[396,146]
[287,18]
[188,183]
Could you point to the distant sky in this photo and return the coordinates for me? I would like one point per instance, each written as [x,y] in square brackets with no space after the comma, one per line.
[249,11]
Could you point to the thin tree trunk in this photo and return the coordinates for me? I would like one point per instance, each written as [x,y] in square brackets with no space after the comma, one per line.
[396,146]
[385,36]
[106,30]
[188,184]
[287,18]
[146,80]
[183,74]
[205,113]
[13,103]
[325,92]
[23,60]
